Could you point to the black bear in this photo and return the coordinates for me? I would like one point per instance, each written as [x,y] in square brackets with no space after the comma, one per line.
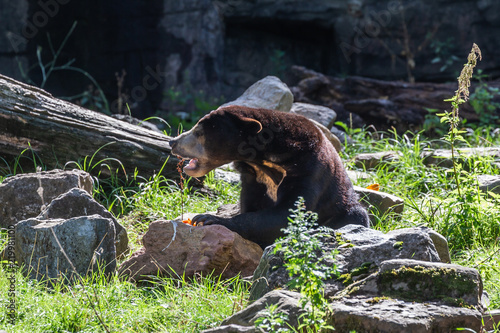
[280,156]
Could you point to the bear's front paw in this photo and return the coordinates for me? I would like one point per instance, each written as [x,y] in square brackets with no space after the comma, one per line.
[206,219]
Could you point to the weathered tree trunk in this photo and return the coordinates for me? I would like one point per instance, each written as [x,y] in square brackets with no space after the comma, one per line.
[60,132]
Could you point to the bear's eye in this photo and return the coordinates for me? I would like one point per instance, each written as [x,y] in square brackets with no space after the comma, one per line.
[197,133]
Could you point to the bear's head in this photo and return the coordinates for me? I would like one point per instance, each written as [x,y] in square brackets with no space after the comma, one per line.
[214,140]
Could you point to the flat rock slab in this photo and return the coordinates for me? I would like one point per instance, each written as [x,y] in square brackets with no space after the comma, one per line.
[50,249]
[231,329]
[172,248]
[380,203]
[370,161]
[489,183]
[368,314]
[443,157]
[438,157]
[26,195]
[422,281]
[287,302]
[355,175]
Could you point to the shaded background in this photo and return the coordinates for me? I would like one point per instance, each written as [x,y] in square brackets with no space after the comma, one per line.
[194,54]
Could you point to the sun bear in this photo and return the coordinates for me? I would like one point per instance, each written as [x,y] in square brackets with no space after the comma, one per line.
[280,157]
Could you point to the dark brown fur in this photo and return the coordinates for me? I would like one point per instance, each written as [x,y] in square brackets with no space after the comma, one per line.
[280,156]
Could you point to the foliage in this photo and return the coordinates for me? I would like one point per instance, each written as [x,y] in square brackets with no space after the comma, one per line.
[443,51]
[27,161]
[272,321]
[482,101]
[307,265]
[447,200]
[466,203]
[461,96]
[433,126]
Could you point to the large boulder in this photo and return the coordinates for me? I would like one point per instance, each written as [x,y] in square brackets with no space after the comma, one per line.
[390,283]
[287,303]
[268,93]
[421,281]
[411,296]
[402,296]
[323,115]
[77,202]
[26,195]
[172,248]
[361,250]
[57,248]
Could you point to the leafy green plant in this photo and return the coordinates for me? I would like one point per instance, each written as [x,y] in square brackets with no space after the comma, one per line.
[443,51]
[482,101]
[461,96]
[433,126]
[273,321]
[307,265]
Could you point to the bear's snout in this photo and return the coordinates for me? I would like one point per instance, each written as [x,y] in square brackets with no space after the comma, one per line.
[172,143]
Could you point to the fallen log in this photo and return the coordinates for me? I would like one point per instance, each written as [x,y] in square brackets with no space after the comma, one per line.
[59,132]
[384,104]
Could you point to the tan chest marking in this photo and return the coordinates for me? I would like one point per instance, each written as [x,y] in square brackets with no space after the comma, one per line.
[271,175]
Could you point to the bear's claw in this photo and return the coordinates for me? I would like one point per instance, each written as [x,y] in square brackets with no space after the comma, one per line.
[206,219]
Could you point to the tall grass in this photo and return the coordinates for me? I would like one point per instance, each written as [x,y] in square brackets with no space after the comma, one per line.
[470,221]
[472,227]
[167,305]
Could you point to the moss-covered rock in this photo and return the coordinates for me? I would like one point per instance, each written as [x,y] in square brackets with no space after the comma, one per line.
[424,281]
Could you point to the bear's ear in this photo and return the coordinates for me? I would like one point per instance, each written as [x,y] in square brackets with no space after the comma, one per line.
[251,125]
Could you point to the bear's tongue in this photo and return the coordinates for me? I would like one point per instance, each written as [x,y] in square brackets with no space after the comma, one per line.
[193,164]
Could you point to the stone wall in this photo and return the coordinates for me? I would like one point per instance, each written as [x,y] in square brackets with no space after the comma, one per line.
[210,48]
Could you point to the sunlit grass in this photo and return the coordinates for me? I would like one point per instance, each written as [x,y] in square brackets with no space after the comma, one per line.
[472,227]
[167,305]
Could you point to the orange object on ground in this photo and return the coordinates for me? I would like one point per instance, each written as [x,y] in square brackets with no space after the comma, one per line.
[374,187]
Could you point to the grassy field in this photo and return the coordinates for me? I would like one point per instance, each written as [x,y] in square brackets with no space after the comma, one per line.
[466,217]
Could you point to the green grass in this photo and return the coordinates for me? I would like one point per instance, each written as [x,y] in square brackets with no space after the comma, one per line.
[166,306]
[471,224]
